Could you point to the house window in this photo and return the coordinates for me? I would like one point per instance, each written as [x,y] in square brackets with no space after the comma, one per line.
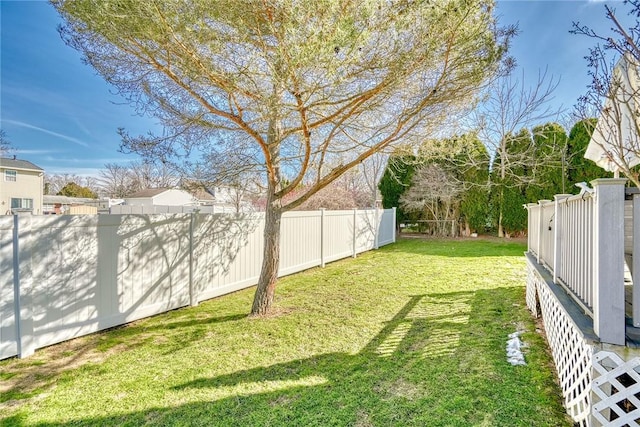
[10,175]
[21,203]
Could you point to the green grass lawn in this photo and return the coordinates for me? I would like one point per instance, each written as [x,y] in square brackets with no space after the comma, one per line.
[413,334]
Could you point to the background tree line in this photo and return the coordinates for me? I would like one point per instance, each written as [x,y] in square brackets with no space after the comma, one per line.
[458,179]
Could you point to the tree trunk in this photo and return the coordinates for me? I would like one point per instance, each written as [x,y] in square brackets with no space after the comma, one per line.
[271,260]
[503,174]
[263,298]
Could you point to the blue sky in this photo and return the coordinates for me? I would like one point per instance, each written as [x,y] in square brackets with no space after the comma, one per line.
[63,117]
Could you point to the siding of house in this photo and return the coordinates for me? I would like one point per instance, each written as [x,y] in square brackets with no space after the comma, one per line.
[174,198]
[169,197]
[28,185]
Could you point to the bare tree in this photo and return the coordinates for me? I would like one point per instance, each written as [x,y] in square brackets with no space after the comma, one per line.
[115,180]
[434,191]
[334,196]
[372,170]
[511,105]
[241,195]
[54,183]
[148,174]
[285,88]
[5,144]
[614,93]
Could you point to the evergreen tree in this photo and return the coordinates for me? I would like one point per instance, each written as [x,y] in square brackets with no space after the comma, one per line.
[548,172]
[395,181]
[508,189]
[472,164]
[74,190]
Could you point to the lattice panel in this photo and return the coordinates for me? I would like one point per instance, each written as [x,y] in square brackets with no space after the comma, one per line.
[571,354]
[616,390]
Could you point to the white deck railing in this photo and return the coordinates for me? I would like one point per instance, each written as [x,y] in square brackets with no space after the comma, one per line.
[580,240]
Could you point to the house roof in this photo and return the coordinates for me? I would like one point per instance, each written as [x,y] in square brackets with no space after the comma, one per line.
[203,194]
[65,200]
[198,189]
[148,192]
[8,163]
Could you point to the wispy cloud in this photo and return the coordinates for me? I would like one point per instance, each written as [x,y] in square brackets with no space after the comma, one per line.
[83,172]
[36,152]
[87,161]
[47,131]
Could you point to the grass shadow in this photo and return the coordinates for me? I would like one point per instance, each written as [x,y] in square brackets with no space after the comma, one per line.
[440,361]
[31,377]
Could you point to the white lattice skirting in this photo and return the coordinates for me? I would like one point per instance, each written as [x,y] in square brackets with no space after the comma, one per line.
[600,387]
[616,390]
[571,353]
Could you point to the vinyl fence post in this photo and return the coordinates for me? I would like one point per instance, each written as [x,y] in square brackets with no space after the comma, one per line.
[376,229]
[16,281]
[193,298]
[22,288]
[355,224]
[322,263]
[608,261]
[393,224]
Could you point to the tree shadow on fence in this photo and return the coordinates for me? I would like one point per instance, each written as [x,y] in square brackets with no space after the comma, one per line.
[91,273]
[439,361]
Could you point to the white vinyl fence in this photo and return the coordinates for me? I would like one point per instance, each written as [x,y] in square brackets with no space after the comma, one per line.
[62,277]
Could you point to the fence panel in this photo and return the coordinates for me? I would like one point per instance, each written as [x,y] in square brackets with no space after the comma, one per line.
[91,273]
[387,227]
[8,339]
[338,235]
[365,230]
[152,263]
[156,209]
[227,253]
[300,241]
[81,274]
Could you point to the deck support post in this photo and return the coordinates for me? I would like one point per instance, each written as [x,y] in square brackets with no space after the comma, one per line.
[608,260]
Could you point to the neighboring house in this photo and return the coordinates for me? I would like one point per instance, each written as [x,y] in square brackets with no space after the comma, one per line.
[218,198]
[21,187]
[172,200]
[161,197]
[56,205]
[203,195]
